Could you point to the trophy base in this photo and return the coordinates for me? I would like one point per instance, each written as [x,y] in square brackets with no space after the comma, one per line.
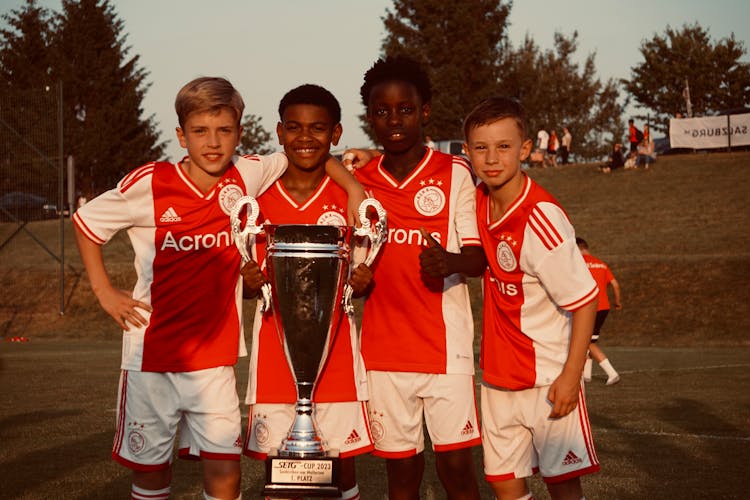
[290,477]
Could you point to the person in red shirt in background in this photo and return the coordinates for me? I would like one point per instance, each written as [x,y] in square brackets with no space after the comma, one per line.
[603,277]
[635,136]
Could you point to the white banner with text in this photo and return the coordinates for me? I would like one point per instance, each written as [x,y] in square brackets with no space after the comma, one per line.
[710,131]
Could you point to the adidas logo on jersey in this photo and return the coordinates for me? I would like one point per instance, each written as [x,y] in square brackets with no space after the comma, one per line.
[170,215]
[571,459]
[354,437]
[468,429]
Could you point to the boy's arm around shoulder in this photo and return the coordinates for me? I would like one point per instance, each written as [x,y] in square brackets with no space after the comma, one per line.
[117,303]
[563,393]
[354,190]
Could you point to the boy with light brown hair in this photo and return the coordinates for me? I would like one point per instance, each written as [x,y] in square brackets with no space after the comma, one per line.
[182,323]
[539,309]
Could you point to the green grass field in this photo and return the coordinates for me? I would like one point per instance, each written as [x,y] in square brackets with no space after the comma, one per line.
[677,426]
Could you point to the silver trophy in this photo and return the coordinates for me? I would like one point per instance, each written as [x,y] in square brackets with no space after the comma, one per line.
[307,266]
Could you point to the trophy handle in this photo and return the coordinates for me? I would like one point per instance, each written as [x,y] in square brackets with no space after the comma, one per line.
[376,234]
[245,237]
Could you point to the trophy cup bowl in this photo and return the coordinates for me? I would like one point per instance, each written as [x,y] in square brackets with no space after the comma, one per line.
[307,266]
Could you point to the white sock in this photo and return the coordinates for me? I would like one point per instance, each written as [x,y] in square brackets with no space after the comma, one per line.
[608,369]
[138,493]
[206,496]
[587,370]
[351,494]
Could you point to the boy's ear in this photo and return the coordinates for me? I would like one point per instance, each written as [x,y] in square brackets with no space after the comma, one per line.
[279,128]
[181,137]
[426,110]
[337,131]
[239,135]
[526,149]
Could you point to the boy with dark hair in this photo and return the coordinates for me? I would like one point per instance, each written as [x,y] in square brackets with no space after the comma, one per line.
[539,308]
[309,123]
[417,328]
[182,323]
[604,278]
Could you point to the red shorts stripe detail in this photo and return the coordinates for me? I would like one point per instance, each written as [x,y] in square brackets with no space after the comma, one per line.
[570,475]
[499,477]
[359,451]
[254,454]
[120,429]
[184,454]
[458,446]
[395,454]
[583,415]
[139,467]
[208,455]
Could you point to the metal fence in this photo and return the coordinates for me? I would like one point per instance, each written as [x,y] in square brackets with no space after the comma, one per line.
[32,170]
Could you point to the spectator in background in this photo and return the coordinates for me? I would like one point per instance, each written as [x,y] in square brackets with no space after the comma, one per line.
[429,143]
[565,147]
[630,162]
[615,159]
[646,152]
[635,136]
[542,143]
[554,145]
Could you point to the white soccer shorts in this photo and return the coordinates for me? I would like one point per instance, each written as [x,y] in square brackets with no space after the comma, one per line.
[519,439]
[151,405]
[401,401]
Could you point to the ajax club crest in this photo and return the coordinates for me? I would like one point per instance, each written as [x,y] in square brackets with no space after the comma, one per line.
[505,257]
[429,200]
[228,196]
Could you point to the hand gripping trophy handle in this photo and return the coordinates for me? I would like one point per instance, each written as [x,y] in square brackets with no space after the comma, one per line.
[376,234]
[245,237]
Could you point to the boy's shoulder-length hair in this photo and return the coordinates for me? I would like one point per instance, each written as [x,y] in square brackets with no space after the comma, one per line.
[207,93]
[493,109]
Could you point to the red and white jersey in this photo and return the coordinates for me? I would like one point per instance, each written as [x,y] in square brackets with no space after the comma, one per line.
[407,326]
[271,381]
[187,266]
[602,275]
[535,278]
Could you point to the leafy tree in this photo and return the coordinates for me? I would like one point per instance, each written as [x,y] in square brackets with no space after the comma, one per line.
[556,93]
[467,64]
[718,80]
[462,62]
[28,103]
[255,139]
[103,93]
[25,47]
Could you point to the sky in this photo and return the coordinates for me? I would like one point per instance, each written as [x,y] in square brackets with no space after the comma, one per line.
[266,48]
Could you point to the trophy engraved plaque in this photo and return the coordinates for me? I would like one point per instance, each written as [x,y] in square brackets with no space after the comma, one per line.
[307,267]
